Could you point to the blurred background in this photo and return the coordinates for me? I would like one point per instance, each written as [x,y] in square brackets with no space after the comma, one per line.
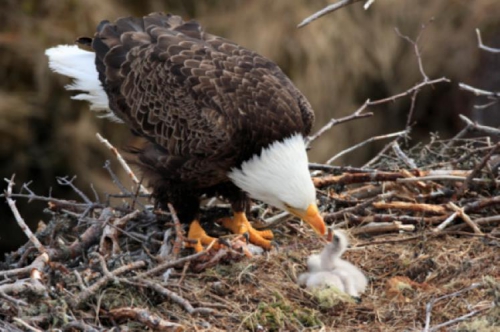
[337,61]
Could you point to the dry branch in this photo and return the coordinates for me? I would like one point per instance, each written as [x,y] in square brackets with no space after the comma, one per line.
[20,221]
[145,317]
[328,9]
[415,207]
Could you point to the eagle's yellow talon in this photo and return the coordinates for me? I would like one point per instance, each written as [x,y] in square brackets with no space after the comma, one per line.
[240,225]
[196,232]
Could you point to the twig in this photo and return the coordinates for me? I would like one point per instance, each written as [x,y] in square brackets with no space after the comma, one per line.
[417,207]
[484,47]
[111,232]
[478,92]
[179,233]
[145,317]
[173,296]
[377,228]
[63,181]
[445,223]
[476,170]
[409,91]
[428,307]
[459,319]
[78,300]
[38,264]
[20,221]
[26,325]
[123,163]
[465,217]
[338,169]
[371,139]
[163,266]
[407,160]
[333,122]
[116,180]
[331,217]
[326,10]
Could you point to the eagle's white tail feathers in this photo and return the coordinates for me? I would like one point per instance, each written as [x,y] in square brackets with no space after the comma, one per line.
[71,61]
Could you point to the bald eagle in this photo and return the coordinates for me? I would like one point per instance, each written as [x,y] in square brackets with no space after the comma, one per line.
[216,118]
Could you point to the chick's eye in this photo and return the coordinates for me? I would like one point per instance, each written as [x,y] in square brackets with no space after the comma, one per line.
[288,206]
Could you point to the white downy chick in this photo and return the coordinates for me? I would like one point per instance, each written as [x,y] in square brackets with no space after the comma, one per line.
[321,279]
[330,259]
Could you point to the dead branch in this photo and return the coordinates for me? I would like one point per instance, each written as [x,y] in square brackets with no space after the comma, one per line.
[26,325]
[416,207]
[25,287]
[179,233]
[407,160]
[371,139]
[477,127]
[163,266]
[360,220]
[358,114]
[144,317]
[90,237]
[382,228]
[111,233]
[20,221]
[428,307]
[484,47]
[172,295]
[331,217]
[326,10]
[446,222]
[122,162]
[465,217]
[81,298]
[38,264]
[477,169]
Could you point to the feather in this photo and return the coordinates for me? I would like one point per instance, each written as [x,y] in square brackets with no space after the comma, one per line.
[78,64]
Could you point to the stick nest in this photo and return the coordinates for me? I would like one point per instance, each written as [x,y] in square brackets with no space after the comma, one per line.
[427,237]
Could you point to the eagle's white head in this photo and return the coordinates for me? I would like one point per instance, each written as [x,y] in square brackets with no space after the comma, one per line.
[279,176]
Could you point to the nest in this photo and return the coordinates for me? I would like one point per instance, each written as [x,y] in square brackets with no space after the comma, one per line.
[426,236]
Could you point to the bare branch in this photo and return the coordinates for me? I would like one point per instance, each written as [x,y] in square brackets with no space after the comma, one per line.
[371,139]
[123,163]
[20,221]
[326,10]
[484,47]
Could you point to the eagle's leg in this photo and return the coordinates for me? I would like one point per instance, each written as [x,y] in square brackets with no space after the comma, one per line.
[187,206]
[198,234]
[240,224]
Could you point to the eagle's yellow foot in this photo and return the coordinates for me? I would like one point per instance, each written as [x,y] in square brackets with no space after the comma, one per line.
[240,225]
[197,233]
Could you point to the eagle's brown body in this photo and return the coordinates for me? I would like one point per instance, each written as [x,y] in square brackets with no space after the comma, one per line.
[203,103]
[216,118]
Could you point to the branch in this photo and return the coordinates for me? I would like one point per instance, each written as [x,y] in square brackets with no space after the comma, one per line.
[371,139]
[333,122]
[326,10]
[144,316]
[20,221]
[122,162]
[482,46]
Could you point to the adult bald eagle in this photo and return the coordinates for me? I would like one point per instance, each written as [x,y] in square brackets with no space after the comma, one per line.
[217,118]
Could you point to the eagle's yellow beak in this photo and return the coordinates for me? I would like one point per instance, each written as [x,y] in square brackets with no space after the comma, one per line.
[312,217]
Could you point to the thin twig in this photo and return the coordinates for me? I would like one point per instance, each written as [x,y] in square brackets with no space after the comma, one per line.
[20,221]
[358,114]
[326,10]
[371,139]
[122,162]
[484,47]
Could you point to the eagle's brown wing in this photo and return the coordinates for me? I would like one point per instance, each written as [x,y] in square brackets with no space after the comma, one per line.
[205,103]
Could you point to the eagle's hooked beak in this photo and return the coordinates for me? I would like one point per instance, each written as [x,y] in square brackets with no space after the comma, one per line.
[312,217]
